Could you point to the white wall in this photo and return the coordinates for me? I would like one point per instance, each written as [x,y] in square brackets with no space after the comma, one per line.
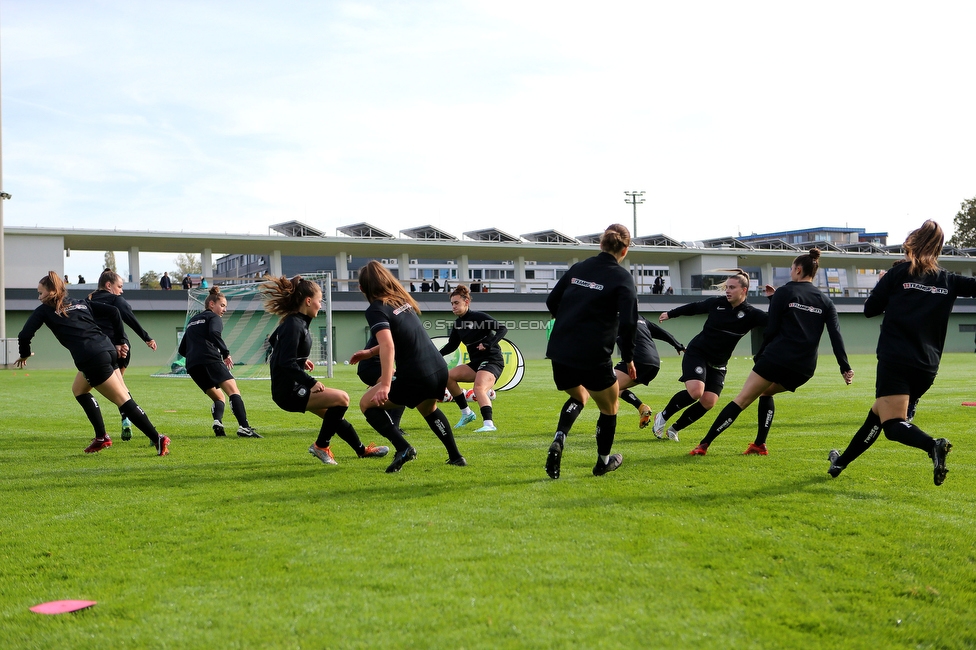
[28,258]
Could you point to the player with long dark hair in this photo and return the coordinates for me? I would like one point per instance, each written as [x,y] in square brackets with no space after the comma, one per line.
[109,292]
[94,353]
[787,359]
[413,374]
[480,334]
[298,301]
[916,297]
[208,362]
[703,369]
[594,304]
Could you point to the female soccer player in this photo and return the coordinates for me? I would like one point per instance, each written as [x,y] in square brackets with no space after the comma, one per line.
[109,292]
[369,370]
[208,362]
[730,317]
[298,301]
[94,353]
[594,303]
[916,297]
[480,334]
[787,359]
[412,373]
[648,364]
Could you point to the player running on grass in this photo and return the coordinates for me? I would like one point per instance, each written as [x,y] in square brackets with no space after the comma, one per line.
[798,314]
[208,362]
[94,354]
[594,303]
[730,317]
[110,292]
[916,297]
[298,301]
[647,361]
[412,373]
[480,334]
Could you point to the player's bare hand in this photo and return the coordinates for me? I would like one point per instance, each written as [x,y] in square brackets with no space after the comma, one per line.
[21,362]
[663,317]
[318,387]
[229,363]
[152,344]
[769,290]
[360,355]
[848,377]
[309,365]
[631,370]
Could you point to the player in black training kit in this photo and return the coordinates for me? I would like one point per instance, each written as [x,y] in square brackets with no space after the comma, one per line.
[787,359]
[480,334]
[208,362]
[369,370]
[703,369]
[595,305]
[110,292]
[412,374]
[298,301]
[647,361]
[94,353]
[916,297]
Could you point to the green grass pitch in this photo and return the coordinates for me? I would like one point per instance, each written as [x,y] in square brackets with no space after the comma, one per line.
[240,543]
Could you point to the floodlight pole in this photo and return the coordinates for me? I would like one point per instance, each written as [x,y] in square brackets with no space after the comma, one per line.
[635,198]
[3,260]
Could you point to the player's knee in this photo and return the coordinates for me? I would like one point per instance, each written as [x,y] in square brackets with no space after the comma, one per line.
[707,400]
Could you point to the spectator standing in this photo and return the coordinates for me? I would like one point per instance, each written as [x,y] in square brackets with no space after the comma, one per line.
[165,283]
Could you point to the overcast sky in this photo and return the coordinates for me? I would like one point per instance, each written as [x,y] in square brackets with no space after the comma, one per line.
[212,116]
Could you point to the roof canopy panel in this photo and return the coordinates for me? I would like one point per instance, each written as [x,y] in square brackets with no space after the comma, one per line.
[428,233]
[492,234]
[550,237]
[726,242]
[657,240]
[296,229]
[364,231]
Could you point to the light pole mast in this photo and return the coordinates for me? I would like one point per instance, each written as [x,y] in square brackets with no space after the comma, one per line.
[635,198]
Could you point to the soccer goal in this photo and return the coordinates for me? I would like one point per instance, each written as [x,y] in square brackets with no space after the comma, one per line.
[247,328]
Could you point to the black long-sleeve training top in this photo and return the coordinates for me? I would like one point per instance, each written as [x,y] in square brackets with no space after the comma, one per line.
[416,356]
[202,341]
[472,329]
[798,313]
[77,331]
[594,304]
[291,343]
[724,327]
[645,352]
[125,311]
[916,314]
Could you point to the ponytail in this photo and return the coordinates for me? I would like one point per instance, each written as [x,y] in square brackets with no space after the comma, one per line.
[54,284]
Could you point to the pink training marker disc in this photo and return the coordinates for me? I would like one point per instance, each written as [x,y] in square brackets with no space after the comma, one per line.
[969,403]
[61,606]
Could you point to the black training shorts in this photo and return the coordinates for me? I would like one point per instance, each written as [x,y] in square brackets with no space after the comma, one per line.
[99,368]
[896,379]
[209,375]
[695,368]
[645,372]
[292,398]
[593,379]
[785,377]
[412,391]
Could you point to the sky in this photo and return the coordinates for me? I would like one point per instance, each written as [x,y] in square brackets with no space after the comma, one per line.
[732,117]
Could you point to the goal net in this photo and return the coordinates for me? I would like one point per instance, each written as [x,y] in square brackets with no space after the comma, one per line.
[247,328]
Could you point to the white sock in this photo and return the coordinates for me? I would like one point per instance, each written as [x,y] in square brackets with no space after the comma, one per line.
[605,459]
[489,423]
[466,411]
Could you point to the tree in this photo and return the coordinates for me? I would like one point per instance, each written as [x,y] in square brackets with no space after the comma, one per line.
[186,263]
[149,280]
[110,260]
[965,225]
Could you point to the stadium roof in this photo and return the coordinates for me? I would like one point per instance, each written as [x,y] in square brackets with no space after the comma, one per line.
[491,234]
[364,231]
[726,242]
[772,245]
[550,237]
[590,239]
[296,229]
[862,247]
[657,240]
[428,233]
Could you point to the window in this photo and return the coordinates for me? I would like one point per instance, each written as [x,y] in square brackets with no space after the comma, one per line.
[529,275]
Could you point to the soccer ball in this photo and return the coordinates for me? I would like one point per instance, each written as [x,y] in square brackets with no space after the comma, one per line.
[468,395]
